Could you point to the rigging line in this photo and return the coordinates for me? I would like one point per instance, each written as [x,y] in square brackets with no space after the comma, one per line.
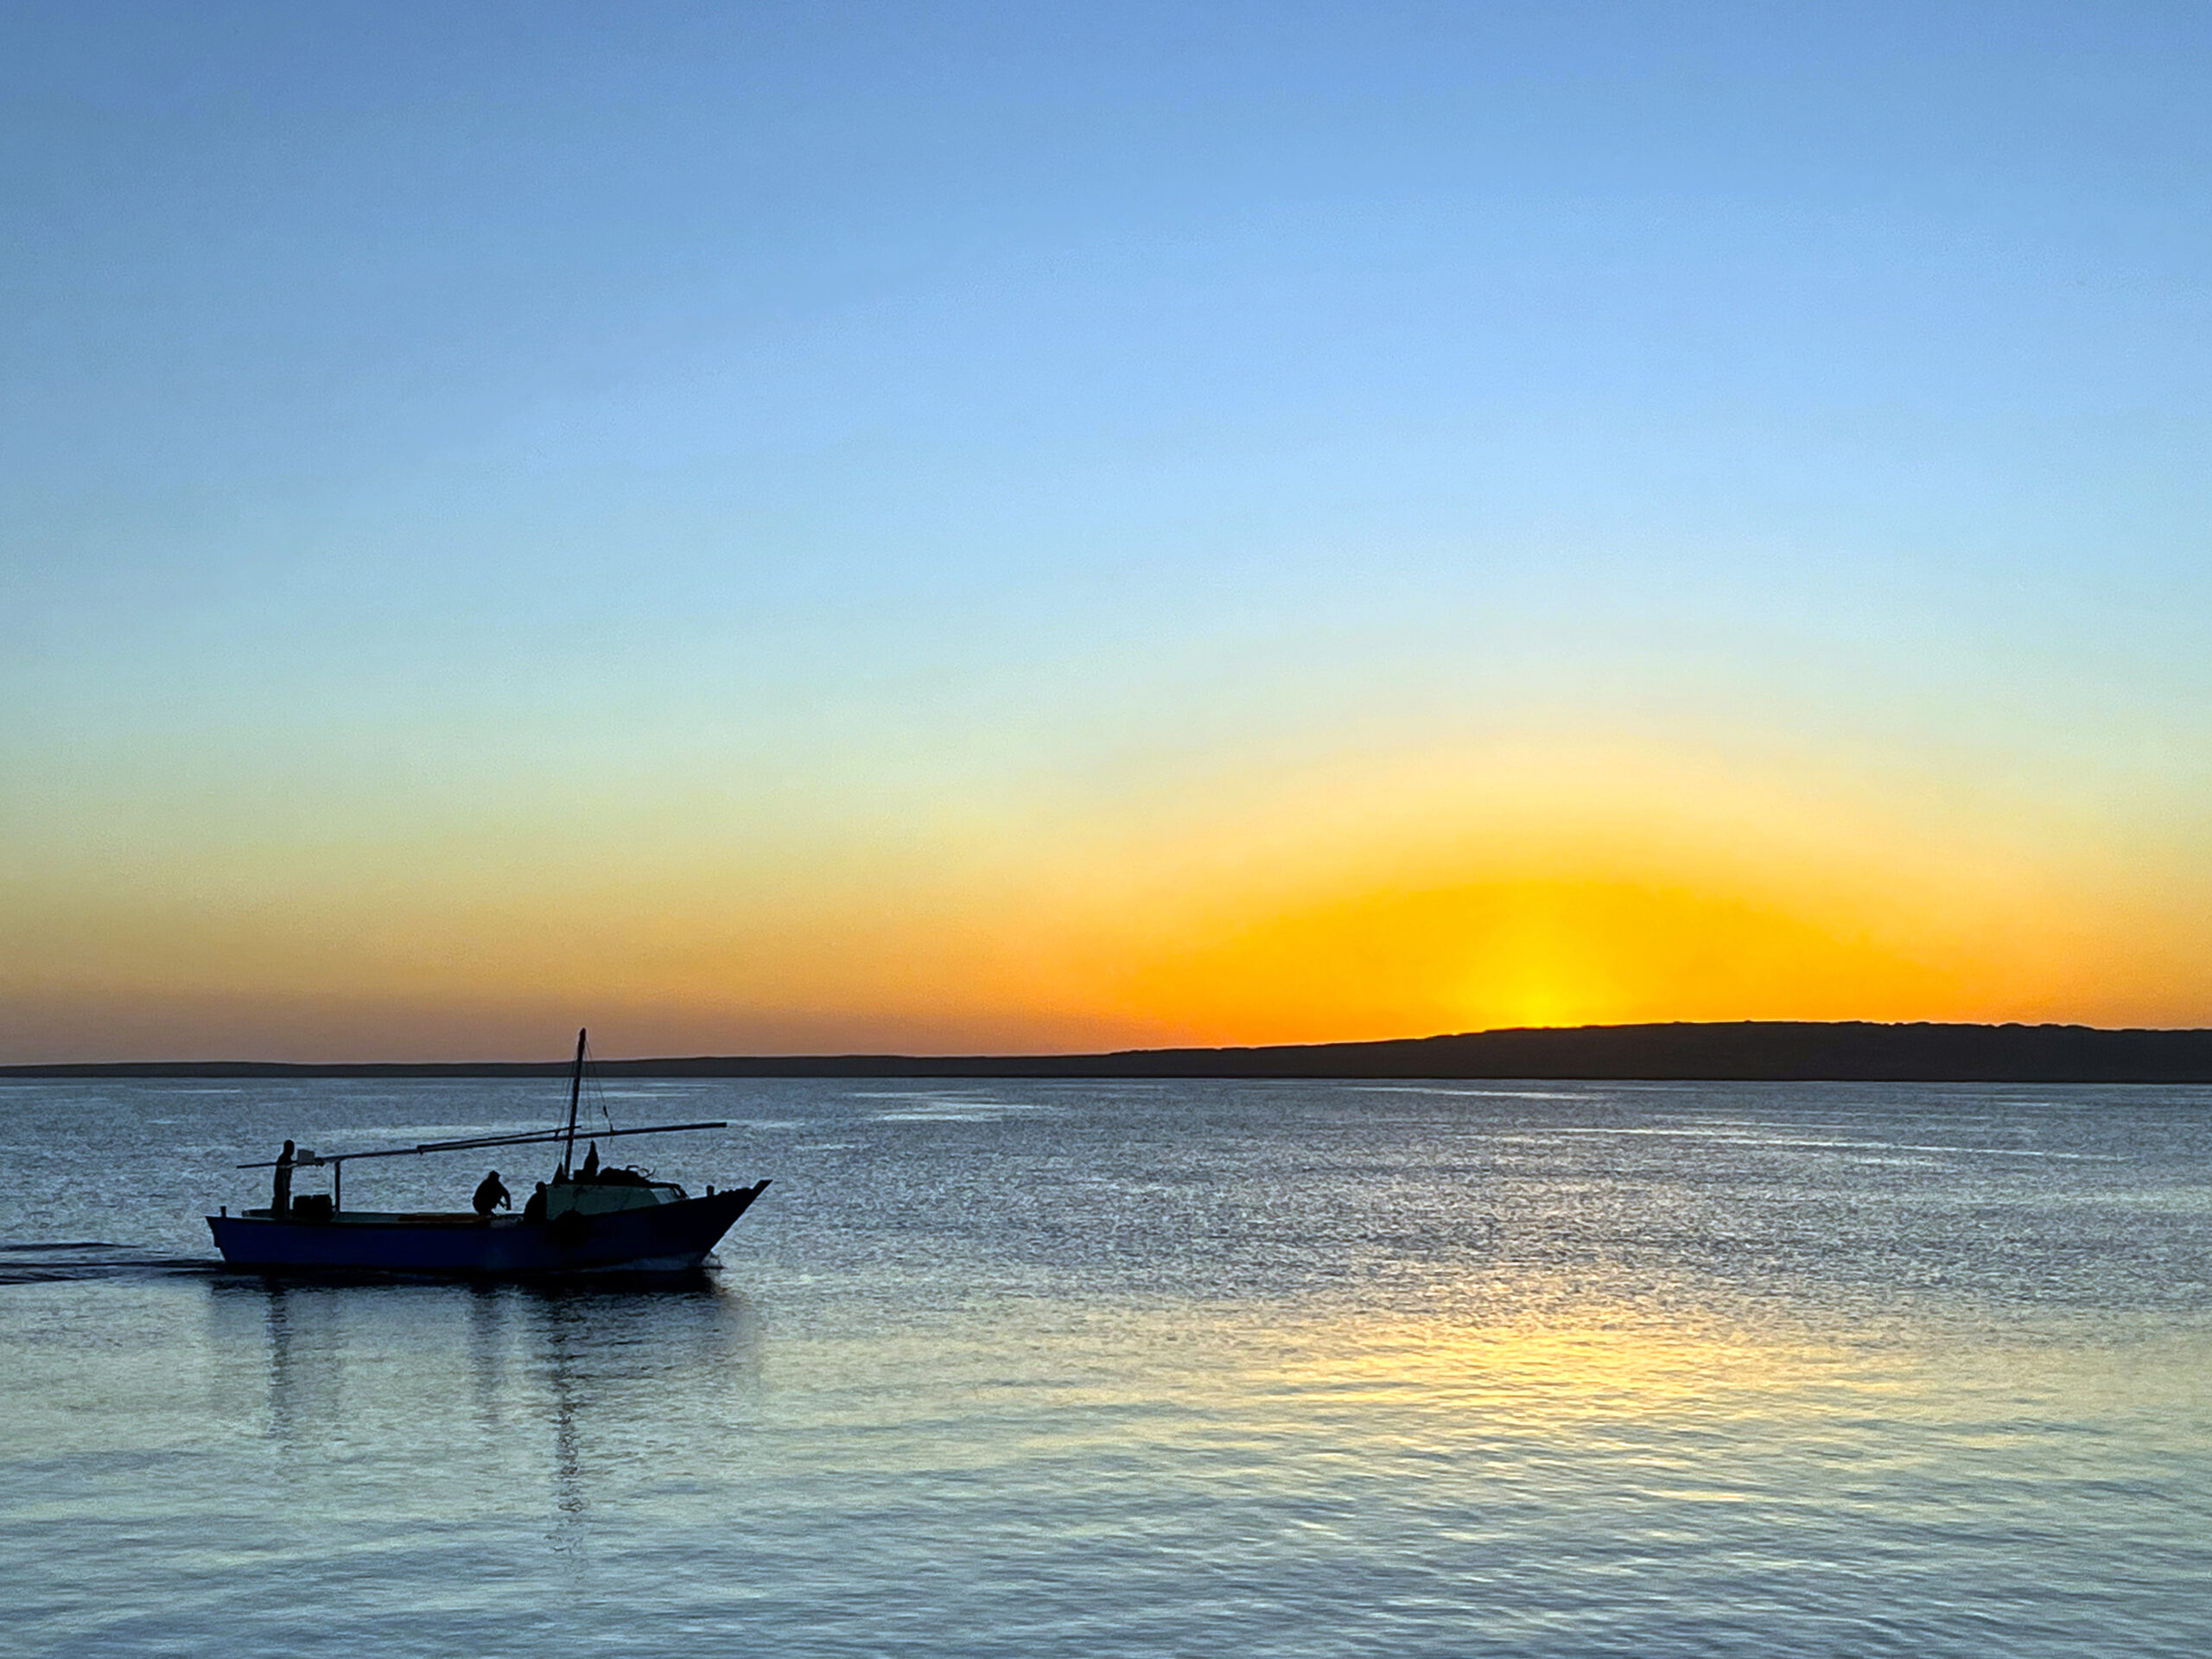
[596,1085]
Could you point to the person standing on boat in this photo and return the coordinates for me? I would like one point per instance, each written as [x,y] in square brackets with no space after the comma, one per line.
[491,1194]
[280,1190]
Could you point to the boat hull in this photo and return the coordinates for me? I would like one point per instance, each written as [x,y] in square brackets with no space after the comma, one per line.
[666,1238]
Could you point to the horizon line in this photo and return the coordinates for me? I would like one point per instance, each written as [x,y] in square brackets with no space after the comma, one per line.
[1771,1050]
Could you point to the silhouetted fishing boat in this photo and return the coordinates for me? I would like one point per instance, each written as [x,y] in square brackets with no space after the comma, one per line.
[583,1221]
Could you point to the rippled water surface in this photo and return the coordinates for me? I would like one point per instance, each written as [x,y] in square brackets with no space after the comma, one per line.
[1117,1368]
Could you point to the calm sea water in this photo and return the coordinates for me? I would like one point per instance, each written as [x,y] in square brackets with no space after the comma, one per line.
[1106,1368]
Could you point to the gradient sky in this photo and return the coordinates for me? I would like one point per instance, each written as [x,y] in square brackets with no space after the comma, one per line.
[828,527]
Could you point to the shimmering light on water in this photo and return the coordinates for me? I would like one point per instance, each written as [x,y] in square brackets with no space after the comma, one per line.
[1024,1368]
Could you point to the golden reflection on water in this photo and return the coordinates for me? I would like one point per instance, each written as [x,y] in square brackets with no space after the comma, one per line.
[1726,1408]
[1569,1372]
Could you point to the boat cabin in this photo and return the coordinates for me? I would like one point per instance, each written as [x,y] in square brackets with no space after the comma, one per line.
[607,1191]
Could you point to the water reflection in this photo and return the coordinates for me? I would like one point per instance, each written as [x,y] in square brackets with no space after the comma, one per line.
[284,1367]
[306,1359]
[561,1327]
[633,1384]
[487,1355]
[514,1397]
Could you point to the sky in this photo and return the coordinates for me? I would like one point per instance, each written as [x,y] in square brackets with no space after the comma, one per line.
[940,528]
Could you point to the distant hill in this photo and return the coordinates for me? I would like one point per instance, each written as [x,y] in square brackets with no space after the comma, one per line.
[1852,1051]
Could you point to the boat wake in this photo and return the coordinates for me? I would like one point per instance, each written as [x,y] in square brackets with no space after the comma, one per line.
[49,1261]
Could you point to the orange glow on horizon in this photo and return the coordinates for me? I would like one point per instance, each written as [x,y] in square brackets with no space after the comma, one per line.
[1509,887]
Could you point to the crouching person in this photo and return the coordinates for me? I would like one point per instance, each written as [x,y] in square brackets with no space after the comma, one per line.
[492,1194]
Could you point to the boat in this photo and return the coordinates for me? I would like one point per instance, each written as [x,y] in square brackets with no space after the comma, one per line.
[586,1220]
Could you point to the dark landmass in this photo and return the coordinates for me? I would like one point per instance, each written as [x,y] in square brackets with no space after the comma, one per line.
[1778,1050]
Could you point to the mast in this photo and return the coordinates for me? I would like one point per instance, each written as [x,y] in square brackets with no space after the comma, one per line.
[575,1094]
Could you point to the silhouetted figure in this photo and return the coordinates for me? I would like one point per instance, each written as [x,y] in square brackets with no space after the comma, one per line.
[591,1162]
[533,1208]
[492,1194]
[280,1190]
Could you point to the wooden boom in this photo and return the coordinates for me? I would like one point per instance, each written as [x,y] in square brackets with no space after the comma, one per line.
[310,1159]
